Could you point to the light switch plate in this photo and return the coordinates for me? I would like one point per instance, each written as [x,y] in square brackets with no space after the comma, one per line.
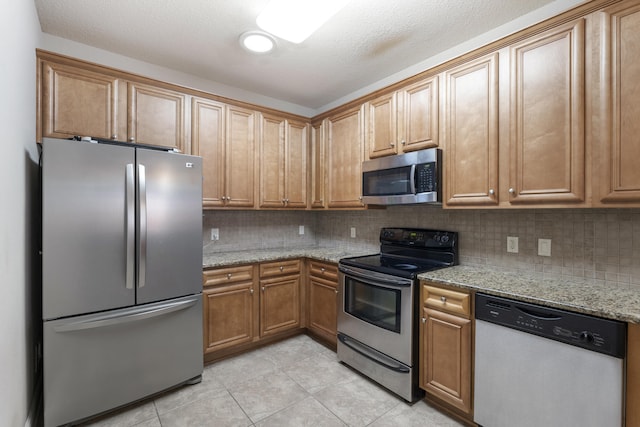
[512,244]
[544,247]
[353,232]
[301,230]
[215,234]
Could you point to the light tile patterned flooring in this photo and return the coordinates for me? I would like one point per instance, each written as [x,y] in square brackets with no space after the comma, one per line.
[296,382]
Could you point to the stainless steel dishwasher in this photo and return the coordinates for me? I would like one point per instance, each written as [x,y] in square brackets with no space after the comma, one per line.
[540,366]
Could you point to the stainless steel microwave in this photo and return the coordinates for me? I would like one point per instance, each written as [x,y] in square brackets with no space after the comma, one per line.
[414,177]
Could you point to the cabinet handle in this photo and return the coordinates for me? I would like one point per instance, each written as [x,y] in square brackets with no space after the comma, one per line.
[228,276]
[511,190]
[443,299]
[132,139]
[424,320]
[491,192]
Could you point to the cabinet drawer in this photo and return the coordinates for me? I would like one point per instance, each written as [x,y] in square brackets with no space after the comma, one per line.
[323,271]
[279,268]
[454,302]
[221,276]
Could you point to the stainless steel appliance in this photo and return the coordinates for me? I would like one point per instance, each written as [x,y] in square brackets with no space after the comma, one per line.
[122,265]
[540,366]
[414,177]
[378,305]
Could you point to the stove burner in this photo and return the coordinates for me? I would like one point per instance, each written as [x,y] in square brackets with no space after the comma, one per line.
[405,266]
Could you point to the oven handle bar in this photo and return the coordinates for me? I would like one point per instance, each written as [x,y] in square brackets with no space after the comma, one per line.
[373,355]
[374,278]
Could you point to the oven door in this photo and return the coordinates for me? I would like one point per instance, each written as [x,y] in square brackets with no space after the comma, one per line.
[377,310]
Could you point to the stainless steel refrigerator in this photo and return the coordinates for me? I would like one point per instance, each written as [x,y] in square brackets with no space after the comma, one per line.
[121,275]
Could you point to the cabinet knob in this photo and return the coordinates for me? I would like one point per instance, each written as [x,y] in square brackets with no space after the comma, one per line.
[251,291]
[392,144]
[263,289]
[114,136]
[492,191]
[283,201]
[403,142]
[132,139]
[228,276]
[443,299]
[336,291]
[322,269]
[281,268]
[423,320]
[511,190]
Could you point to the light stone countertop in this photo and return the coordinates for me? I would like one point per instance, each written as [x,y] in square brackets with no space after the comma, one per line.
[328,254]
[598,300]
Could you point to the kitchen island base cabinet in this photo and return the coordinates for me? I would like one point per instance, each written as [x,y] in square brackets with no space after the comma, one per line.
[446,349]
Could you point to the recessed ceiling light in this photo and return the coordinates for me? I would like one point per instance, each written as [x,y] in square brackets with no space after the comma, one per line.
[257,42]
[295,20]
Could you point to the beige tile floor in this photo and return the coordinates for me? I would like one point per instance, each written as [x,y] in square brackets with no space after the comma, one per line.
[296,382]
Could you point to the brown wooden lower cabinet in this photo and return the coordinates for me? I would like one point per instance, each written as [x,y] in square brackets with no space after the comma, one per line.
[446,330]
[322,300]
[279,304]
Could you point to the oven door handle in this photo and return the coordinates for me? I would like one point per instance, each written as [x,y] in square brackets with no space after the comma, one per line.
[373,355]
[373,278]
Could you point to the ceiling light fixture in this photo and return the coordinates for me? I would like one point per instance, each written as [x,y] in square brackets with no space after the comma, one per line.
[257,42]
[295,20]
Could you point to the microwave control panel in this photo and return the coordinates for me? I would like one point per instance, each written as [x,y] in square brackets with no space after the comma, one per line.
[426,177]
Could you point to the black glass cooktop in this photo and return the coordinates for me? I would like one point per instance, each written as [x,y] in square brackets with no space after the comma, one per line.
[397,266]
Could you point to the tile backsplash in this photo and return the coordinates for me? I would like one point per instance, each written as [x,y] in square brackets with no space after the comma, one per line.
[599,246]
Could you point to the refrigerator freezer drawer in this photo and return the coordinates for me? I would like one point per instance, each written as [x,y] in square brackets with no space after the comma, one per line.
[98,362]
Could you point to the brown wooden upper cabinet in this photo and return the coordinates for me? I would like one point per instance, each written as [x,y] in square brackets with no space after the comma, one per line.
[317,164]
[471,133]
[406,120]
[617,133]
[224,136]
[81,102]
[283,158]
[547,124]
[345,152]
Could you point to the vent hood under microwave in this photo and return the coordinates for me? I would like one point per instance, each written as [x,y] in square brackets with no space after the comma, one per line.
[409,178]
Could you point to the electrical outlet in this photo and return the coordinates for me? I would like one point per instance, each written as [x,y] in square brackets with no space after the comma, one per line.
[215,234]
[512,244]
[353,232]
[544,247]
[301,230]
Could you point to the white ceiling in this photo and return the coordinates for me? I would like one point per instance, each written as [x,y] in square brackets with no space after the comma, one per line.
[365,42]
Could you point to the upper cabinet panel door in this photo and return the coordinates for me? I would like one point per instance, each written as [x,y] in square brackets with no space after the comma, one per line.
[297,140]
[156,116]
[207,141]
[471,133]
[272,146]
[318,165]
[418,123]
[547,129]
[382,127]
[345,152]
[240,157]
[618,144]
[79,102]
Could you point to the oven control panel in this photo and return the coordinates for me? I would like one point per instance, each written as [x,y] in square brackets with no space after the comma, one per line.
[418,237]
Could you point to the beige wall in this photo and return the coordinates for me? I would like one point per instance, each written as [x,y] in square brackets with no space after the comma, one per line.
[599,246]
[19,36]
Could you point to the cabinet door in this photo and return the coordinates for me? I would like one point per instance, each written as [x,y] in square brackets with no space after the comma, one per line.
[279,305]
[156,116]
[345,153]
[445,358]
[323,308]
[547,141]
[618,143]
[79,102]
[383,134]
[228,316]
[207,141]
[297,137]
[318,165]
[471,133]
[418,116]
[272,147]
[240,158]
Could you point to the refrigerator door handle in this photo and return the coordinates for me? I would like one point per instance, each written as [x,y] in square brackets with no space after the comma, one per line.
[142,200]
[133,315]
[131,226]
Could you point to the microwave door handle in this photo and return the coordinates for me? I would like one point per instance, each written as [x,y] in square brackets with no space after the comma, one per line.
[412,179]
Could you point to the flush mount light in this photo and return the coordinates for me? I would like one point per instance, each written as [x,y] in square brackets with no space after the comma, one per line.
[257,42]
[295,20]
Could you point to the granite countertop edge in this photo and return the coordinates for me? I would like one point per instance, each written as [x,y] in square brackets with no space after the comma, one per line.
[614,303]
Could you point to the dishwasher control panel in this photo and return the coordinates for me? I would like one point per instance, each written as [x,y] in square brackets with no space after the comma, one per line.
[593,333]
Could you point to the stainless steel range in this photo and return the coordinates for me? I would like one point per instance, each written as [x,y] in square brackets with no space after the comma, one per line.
[379,297]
